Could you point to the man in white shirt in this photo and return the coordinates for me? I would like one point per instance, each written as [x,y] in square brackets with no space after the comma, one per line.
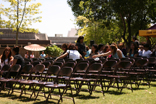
[146,52]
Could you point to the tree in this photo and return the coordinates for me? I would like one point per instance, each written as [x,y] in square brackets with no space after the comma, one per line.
[129,16]
[20,15]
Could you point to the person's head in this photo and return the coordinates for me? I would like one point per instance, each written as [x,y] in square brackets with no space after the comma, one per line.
[72,47]
[94,48]
[146,47]
[121,45]
[113,49]
[6,54]
[87,48]
[27,52]
[80,39]
[141,47]
[15,50]
[100,47]
[133,46]
[42,52]
[32,53]
[106,49]
[64,47]
[134,38]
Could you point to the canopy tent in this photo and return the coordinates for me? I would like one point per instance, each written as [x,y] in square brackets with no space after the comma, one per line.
[151,32]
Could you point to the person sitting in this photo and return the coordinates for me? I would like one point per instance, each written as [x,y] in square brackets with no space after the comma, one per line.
[6,58]
[133,50]
[64,47]
[141,48]
[88,52]
[114,51]
[32,55]
[26,55]
[72,53]
[18,59]
[154,52]
[146,52]
[94,50]
[123,49]
[42,55]
[100,48]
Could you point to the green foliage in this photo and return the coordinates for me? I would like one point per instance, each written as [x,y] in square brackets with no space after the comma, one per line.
[53,51]
[20,15]
[121,19]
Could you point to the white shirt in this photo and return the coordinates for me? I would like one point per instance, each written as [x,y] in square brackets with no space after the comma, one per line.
[140,52]
[146,53]
[73,54]
[6,63]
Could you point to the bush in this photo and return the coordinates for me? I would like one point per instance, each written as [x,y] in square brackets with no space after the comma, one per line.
[53,51]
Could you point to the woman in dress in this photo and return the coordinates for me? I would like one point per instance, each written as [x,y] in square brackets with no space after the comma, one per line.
[133,51]
[81,46]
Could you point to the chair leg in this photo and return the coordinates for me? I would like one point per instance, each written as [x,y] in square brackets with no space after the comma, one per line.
[72,94]
[48,96]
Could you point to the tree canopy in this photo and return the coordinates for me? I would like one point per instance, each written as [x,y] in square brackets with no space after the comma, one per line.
[19,16]
[126,17]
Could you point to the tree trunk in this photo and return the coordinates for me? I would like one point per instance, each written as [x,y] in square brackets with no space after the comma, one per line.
[17,27]
[129,30]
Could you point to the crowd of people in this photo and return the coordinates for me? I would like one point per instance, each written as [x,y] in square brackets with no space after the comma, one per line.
[80,50]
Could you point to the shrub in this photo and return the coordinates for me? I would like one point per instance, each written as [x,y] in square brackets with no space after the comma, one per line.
[53,51]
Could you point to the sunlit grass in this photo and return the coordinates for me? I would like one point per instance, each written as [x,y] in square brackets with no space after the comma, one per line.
[143,95]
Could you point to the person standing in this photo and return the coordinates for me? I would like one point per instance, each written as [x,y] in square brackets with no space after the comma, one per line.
[81,46]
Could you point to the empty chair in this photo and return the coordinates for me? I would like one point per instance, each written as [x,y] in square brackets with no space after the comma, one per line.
[78,60]
[35,63]
[69,64]
[46,63]
[58,63]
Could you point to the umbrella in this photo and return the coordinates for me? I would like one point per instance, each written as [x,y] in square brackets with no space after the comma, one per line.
[34,47]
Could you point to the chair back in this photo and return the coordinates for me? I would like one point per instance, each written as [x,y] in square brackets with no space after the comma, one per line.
[96,67]
[27,69]
[125,64]
[6,68]
[109,64]
[38,68]
[141,62]
[53,69]
[69,64]
[46,63]
[81,67]
[15,68]
[61,60]
[66,71]
[35,63]
[78,60]
[58,63]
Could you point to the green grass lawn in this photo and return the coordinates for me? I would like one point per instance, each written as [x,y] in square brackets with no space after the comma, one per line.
[143,95]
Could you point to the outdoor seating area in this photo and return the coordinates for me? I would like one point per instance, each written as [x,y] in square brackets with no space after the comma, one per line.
[67,78]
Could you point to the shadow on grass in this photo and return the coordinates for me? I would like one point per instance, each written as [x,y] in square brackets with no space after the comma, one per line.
[153,85]
[139,88]
[16,97]
[43,102]
[115,92]
[86,97]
